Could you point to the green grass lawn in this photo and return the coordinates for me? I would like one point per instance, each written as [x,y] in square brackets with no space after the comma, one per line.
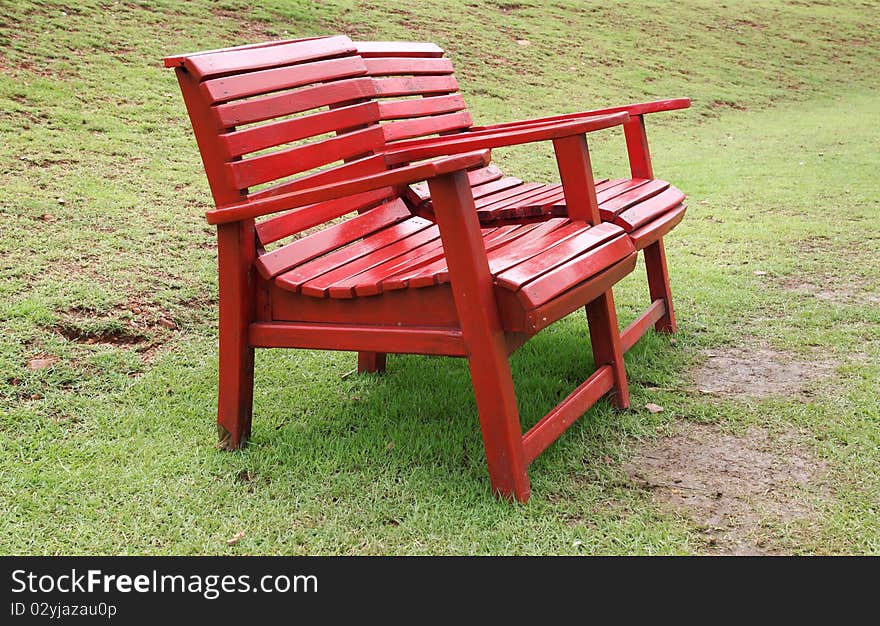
[108,271]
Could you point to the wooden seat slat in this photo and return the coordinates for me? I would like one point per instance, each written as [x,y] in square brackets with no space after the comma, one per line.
[556,254]
[649,209]
[294,278]
[425,270]
[431,105]
[273,263]
[553,282]
[639,193]
[349,270]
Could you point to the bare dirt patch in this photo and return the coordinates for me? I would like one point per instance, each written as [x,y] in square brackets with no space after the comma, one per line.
[760,372]
[734,487]
[835,290]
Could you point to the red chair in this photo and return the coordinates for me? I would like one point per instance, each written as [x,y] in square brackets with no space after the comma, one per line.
[645,207]
[317,249]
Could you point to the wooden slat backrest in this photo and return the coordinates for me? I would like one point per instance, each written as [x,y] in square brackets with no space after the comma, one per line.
[417,95]
[284,115]
[416,89]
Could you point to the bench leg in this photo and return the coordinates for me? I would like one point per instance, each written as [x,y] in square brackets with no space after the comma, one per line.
[369,362]
[658,284]
[477,310]
[499,418]
[236,385]
[607,349]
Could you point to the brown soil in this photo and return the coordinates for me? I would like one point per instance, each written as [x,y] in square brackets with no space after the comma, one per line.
[759,372]
[732,486]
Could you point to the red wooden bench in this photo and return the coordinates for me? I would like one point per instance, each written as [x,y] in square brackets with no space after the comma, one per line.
[318,248]
[645,207]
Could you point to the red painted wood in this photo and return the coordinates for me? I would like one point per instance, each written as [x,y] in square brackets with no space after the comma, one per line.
[484,337]
[543,235]
[437,273]
[376,243]
[400,176]
[340,281]
[371,282]
[297,220]
[245,59]
[658,284]
[407,85]
[283,163]
[251,84]
[637,147]
[177,60]
[391,66]
[359,168]
[267,107]
[650,209]
[445,341]
[657,228]
[407,307]
[558,420]
[282,259]
[632,109]
[433,105]
[531,321]
[272,134]
[553,282]
[434,147]
[557,253]
[236,252]
[641,324]
[371,362]
[422,126]
[330,289]
[576,172]
[605,341]
[635,194]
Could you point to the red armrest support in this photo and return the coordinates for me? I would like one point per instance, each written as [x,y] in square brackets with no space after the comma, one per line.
[633,109]
[391,178]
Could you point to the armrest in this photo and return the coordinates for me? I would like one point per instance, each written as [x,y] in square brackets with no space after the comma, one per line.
[390,178]
[406,151]
[633,109]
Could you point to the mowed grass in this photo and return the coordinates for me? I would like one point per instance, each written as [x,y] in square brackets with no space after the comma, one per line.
[107,268]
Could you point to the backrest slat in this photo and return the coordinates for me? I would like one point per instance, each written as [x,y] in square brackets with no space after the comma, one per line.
[417,91]
[240,142]
[415,66]
[287,103]
[264,168]
[246,59]
[254,83]
[354,169]
[434,105]
[415,85]
[282,116]
[421,126]
[280,226]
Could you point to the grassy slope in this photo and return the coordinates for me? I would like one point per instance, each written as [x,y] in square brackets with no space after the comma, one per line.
[109,450]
